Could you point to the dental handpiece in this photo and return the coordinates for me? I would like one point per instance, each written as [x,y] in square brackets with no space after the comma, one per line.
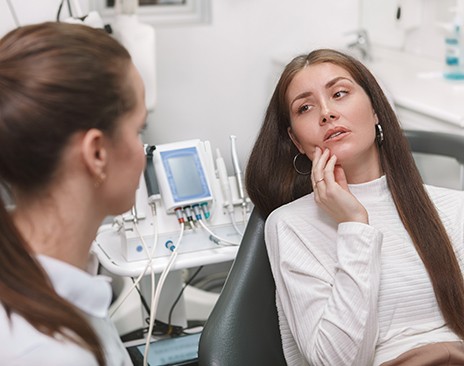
[238,171]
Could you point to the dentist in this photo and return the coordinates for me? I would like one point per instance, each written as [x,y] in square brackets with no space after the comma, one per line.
[71,113]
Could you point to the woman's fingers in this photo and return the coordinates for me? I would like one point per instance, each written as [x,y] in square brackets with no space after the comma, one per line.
[319,163]
[316,158]
[331,190]
[328,170]
[326,181]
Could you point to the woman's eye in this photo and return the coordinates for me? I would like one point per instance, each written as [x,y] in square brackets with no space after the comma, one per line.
[303,108]
[340,93]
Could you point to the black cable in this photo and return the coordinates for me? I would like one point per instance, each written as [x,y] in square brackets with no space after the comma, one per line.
[59,11]
[160,326]
[142,298]
[180,294]
[69,9]
[60,7]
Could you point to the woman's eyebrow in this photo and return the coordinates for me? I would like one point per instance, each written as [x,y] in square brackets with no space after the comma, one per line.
[336,80]
[301,96]
[329,84]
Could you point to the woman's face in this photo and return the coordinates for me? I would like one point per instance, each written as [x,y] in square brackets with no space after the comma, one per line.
[126,153]
[328,109]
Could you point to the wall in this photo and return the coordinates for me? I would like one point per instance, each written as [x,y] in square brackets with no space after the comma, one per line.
[215,79]
[421,29]
[30,11]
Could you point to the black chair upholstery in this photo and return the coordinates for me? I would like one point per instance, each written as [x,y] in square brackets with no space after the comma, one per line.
[438,143]
[243,328]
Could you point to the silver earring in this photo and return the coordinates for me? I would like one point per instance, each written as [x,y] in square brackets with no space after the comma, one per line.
[295,162]
[379,134]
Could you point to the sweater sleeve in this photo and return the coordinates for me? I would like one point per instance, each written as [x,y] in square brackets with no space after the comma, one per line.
[329,298]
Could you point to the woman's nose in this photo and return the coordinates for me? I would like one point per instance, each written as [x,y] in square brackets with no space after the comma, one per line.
[328,115]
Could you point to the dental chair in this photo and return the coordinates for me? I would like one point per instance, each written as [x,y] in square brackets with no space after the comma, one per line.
[243,329]
[438,143]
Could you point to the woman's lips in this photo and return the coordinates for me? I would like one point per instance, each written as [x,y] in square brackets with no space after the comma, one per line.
[335,134]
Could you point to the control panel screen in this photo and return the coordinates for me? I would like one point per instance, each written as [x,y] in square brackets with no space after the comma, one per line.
[185,174]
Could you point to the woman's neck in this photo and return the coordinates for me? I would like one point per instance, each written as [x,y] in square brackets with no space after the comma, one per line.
[363,171]
[58,226]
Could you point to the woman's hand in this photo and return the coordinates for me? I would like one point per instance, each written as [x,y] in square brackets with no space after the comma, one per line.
[331,189]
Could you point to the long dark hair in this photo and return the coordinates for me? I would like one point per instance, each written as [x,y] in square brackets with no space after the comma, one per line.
[55,79]
[271,180]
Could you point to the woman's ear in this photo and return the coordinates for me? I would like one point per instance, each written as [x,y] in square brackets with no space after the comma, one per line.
[94,152]
[295,140]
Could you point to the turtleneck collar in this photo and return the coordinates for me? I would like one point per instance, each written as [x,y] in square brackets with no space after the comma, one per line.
[372,189]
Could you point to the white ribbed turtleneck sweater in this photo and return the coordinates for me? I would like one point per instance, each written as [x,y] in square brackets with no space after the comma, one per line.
[356,294]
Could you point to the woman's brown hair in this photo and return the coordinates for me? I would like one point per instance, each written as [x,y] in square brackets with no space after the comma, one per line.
[55,79]
[271,180]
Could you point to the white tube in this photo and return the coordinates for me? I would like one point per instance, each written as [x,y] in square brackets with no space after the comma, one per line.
[156,297]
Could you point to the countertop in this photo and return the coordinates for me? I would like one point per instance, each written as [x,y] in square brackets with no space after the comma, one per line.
[417,83]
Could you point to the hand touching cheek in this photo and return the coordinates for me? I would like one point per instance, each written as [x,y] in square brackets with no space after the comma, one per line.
[331,190]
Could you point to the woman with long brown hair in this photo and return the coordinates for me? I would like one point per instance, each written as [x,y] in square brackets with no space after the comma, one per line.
[367,259]
[71,112]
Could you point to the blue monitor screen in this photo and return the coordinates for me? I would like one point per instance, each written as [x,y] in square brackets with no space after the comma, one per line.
[173,351]
[185,174]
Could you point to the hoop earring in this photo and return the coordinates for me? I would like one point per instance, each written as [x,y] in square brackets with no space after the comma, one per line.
[379,134]
[294,165]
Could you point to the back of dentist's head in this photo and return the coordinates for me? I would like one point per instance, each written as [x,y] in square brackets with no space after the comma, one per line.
[56,79]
